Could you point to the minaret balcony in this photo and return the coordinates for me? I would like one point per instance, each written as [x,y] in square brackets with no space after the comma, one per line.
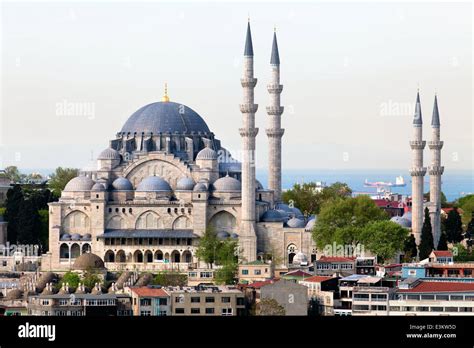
[274,88]
[275,110]
[248,108]
[417,144]
[275,133]
[435,145]
[248,82]
[248,132]
[421,171]
[436,170]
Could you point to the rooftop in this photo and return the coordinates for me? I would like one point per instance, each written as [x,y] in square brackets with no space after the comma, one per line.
[317,279]
[150,292]
[427,286]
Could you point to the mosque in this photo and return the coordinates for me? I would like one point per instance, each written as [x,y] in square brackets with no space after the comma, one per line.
[165,179]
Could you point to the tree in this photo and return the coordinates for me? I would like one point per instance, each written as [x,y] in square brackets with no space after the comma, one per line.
[43,215]
[443,242]
[466,203]
[461,254]
[270,307]
[71,278]
[14,200]
[309,200]
[454,226]
[91,278]
[426,244]
[409,247]
[12,173]
[470,228]
[383,238]
[227,258]
[207,248]
[342,220]
[166,278]
[29,223]
[60,178]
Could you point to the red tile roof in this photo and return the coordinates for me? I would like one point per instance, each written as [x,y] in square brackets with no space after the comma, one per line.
[335,259]
[426,286]
[443,253]
[150,292]
[257,285]
[383,203]
[317,279]
[297,273]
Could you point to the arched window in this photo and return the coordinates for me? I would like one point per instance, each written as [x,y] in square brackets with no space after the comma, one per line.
[291,252]
[64,251]
[76,222]
[149,220]
[116,222]
[181,223]
[75,251]
[109,256]
[223,221]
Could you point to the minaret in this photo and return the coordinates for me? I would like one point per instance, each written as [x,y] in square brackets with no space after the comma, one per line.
[248,132]
[274,131]
[417,172]
[435,171]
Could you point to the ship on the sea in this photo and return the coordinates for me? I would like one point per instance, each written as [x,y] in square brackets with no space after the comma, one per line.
[399,182]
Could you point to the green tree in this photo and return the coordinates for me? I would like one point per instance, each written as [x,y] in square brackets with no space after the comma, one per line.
[71,278]
[426,244]
[342,220]
[466,203]
[461,254]
[29,223]
[470,228]
[12,173]
[207,248]
[454,227]
[270,307]
[384,238]
[443,242]
[309,200]
[13,204]
[90,278]
[409,247]
[60,178]
[227,258]
[170,278]
[44,229]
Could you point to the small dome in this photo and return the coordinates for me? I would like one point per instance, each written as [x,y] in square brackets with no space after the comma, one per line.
[407,215]
[66,236]
[86,236]
[310,224]
[402,221]
[206,154]
[297,213]
[154,183]
[79,183]
[234,236]
[75,236]
[14,294]
[227,184]
[200,187]
[122,184]
[98,187]
[109,154]
[295,223]
[223,235]
[300,258]
[185,184]
[258,185]
[88,261]
[45,278]
[272,215]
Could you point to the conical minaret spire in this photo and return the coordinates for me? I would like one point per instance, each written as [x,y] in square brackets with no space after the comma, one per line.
[417,172]
[248,132]
[435,171]
[274,130]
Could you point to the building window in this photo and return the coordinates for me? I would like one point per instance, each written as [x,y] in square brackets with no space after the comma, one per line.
[209,310]
[210,299]
[179,310]
[195,311]
[226,312]
[226,300]
[245,272]
[240,301]
[195,299]
[145,313]
[145,302]
[162,301]
[257,271]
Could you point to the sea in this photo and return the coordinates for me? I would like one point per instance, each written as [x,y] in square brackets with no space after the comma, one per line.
[455,184]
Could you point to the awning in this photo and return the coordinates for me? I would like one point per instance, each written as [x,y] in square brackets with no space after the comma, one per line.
[148,234]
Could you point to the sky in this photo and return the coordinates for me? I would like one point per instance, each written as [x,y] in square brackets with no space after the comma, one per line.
[72,73]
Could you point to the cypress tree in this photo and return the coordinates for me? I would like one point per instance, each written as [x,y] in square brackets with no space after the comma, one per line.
[426,244]
[443,242]
[454,227]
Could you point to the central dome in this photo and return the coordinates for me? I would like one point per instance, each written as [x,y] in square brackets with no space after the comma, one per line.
[163,117]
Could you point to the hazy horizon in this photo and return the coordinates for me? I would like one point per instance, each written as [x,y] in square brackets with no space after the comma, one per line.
[350,73]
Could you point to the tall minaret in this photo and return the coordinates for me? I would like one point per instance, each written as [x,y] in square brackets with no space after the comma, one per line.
[417,172]
[274,131]
[435,171]
[248,132]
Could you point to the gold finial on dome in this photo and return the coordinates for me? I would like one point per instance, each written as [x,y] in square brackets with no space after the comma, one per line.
[165,97]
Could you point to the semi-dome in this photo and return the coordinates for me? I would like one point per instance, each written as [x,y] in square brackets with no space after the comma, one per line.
[109,154]
[98,187]
[407,215]
[75,236]
[206,154]
[122,184]
[227,184]
[258,185]
[402,221]
[300,258]
[200,187]
[164,117]
[185,184]
[295,223]
[272,215]
[88,261]
[66,236]
[154,183]
[79,183]
[310,224]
